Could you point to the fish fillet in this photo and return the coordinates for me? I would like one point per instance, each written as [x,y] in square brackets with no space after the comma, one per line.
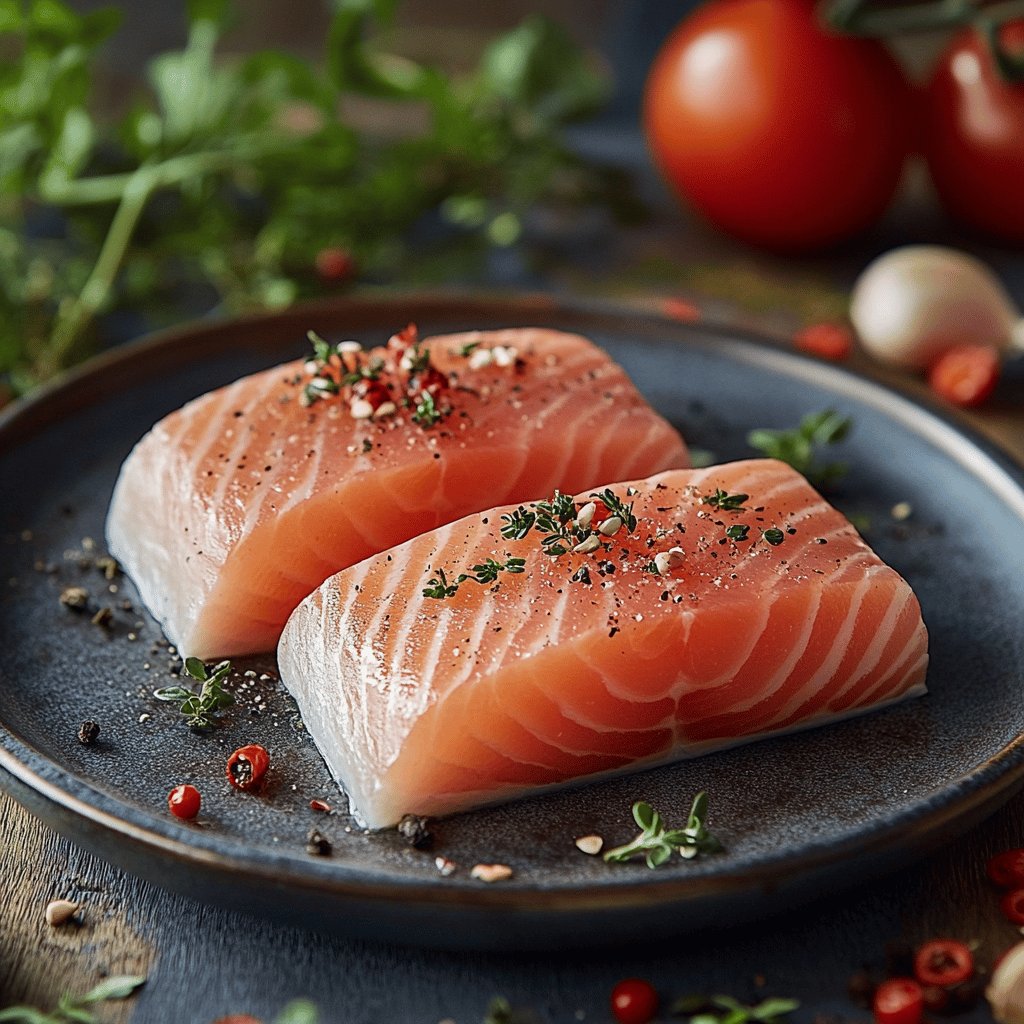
[233,508]
[699,628]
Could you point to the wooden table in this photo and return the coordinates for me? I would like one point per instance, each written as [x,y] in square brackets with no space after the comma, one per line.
[203,963]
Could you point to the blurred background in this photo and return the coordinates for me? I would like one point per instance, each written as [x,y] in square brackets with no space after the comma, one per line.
[272,153]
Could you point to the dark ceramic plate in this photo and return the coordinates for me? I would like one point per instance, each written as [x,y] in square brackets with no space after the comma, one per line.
[799,815]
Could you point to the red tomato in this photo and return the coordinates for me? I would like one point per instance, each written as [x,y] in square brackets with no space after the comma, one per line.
[899,1001]
[965,374]
[247,766]
[184,802]
[829,341]
[777,130]
[943,962]
[634,1001]
[975,129]
[1012,906]
[1006,869]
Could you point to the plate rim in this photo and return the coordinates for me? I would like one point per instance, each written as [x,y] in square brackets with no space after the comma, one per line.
[71,797]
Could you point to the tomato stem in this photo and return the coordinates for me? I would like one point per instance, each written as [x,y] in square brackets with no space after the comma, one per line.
[1010,66]
[852,17]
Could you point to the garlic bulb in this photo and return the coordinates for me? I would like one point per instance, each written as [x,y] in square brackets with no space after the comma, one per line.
[913,303]
[1005,992]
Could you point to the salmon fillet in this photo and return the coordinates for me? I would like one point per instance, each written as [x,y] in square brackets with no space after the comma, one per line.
[740,604]
[233,508]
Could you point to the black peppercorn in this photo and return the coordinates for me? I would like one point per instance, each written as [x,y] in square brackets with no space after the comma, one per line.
[317,844]
[413,829]
[87,733]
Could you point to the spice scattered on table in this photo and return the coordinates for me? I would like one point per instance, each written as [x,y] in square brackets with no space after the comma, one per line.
[184,802]
[247,767]
[59,912]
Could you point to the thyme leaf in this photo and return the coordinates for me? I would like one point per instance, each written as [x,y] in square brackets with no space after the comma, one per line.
[656,843]
[616,507]
[200,709]
[72,1009]
[427,412]
[484,573]
[725,501]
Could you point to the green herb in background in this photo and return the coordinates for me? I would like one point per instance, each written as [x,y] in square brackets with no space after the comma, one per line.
[799,447]
[229,178]
[701,1009]
[72,1009]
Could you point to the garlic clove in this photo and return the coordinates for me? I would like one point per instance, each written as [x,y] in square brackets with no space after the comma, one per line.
[1005,992]
[913,303]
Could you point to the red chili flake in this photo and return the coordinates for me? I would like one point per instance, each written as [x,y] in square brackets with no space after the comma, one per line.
[965,375]
[431,381]
[320,805]
[828,341]
[403,339]
[247,766]
[681,310]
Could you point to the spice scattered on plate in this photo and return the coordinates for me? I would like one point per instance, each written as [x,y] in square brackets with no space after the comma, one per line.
[445,866]
[590,845]
[76,598]
[491,872]
[88,733]
[318,844]
[413,829]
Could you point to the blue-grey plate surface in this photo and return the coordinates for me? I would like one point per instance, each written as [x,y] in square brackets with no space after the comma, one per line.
[799,815]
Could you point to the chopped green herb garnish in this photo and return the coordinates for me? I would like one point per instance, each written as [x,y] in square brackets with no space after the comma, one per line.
[364,371]
[774,536]
[439,587]
[468,349]
[322,349]
[725,501]
[799,447]
[517,524]
[485,572]
[200,709]
[737,532]
[427,412]
[657,844]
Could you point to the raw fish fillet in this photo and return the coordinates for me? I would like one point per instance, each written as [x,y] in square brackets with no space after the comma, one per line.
[667,641]
[233,508]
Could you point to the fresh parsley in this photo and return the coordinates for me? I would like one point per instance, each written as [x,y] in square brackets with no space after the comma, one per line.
[73,1009]
[233,176]
[799,447]
[200,709]
[656,843]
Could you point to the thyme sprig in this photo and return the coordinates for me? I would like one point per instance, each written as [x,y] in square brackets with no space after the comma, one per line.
[484,573]
[702,1009]
[617,507]
[559,520]
[725,501]
[656,843]
[799,447]
[200,709]
[72,1009]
